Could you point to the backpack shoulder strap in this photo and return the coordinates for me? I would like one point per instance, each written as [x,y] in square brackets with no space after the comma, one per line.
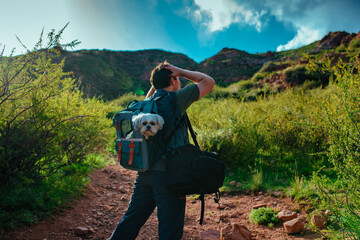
[193,134]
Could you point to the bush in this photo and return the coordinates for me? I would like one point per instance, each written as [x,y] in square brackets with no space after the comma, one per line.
[263,215]
[47,132]
[281,131]
[354,44]
[45,122]
[341,109]
[295,75]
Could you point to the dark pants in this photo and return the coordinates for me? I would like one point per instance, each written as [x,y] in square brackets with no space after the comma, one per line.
[150,191]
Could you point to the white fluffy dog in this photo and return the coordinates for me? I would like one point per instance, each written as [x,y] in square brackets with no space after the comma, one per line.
[148,124]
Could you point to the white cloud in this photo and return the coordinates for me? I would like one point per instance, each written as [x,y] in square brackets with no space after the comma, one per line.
[303,37]
[312,19]
[226,12]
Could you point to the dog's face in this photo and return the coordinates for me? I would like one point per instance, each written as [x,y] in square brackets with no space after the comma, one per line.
[148,124]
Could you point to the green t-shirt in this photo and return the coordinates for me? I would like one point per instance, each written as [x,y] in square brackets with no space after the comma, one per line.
[185,97]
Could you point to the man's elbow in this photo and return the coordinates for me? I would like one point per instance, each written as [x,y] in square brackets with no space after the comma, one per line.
[206,86]
[211,83]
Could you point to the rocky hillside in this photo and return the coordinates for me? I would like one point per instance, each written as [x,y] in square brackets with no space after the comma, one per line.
[109,74]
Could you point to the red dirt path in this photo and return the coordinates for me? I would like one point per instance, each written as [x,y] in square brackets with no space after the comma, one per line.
[106,200]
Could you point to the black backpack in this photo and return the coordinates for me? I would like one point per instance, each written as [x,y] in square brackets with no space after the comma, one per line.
[192,171]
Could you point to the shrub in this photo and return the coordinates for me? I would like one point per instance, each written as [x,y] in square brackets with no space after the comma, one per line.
[283,131]
[354,44]
[47,132]
[342,120]
[242,85]
[263,215]
[295,75]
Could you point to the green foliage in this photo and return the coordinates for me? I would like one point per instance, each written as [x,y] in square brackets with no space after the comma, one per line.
[220,92]
[354,44]
[280,133]
[257,180]
[273,66]
[263,215]
[110,81]
[241,86]
[25,203]
[341,109]
[48,130]
[297,185]
[296,74]
[121,103]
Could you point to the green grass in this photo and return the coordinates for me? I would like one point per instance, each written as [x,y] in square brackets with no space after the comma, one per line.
[265,216]
[25,202]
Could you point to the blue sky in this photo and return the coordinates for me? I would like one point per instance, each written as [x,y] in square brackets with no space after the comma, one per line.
[196,28]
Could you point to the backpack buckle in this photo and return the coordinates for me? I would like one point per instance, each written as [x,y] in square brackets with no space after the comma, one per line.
[131,156]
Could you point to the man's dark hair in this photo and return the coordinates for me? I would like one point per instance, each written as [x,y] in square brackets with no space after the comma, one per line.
[160,77]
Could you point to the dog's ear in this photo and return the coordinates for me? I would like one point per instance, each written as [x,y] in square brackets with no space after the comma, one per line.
[160,121]
[137,121]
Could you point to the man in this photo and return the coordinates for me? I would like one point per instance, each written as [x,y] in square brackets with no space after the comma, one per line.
[149,188]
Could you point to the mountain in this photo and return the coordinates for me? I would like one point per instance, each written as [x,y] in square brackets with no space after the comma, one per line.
[109,74]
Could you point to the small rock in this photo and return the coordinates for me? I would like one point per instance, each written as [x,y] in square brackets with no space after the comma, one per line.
[294,226]
[319,221]
[236,232]
[204,220]
[277,193]
[227,206]
[287,215]
[221,206]
[259,206]
[224,217]
[122,190]
[82,231]
[113,175]
[211,234]
[123,198]
[232,183]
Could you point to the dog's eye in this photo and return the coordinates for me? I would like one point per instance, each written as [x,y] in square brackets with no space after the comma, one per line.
[144,123]
[152,123]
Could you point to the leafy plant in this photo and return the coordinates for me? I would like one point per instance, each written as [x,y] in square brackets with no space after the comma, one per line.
[257,180]
[297,186]
[342,120]
[263,215]
[48,133]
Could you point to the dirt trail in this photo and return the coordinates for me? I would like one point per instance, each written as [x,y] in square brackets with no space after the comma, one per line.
[107,198]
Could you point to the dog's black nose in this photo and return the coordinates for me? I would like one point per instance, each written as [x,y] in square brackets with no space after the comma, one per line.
[148,127]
